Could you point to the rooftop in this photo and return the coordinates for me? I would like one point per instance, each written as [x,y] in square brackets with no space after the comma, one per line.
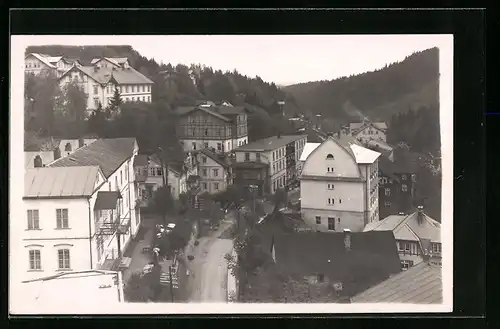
[108,154]
[361,154]
[357,126]
[270,143]
[121,75]
[372,257]
[43,58]
[408,227]
[107,200]
[308,148]
[420,284]
[46,182]
[221,159]
[75,288]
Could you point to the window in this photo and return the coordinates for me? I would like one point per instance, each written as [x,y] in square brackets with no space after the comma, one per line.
[194,144]
[387,204]
[219,147]
[216,186]
[62,218]
[414,178]
[143,88]
[274,156]
[63,258]
[204,160]
[436,247]
[274,168]
[133,89]
[331,186]
[387,191]
[404,188]
[406,264]
[318,220]
[126,172]
[403,177]
[329,157]
[159,172]
[127,88]
[331,201]
[206,132]
[95,90]
[204,186]
[121,177]
[204,172]
[340,200]
[329,169]
[96,101]
[33,220]
[247,156]
[216,172]
[149,98]
[331,224]
[35,260]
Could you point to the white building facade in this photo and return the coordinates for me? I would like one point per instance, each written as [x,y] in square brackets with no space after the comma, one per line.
[339,187]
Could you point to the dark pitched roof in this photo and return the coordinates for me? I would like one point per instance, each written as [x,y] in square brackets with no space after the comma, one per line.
[230,110]
[107,200]
[220,159]
[372,258]
[270,143]
[210,110]
[420,284]
[140,160]
[108,154]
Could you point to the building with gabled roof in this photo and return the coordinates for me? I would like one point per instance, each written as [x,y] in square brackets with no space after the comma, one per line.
[417,236]
[36,63]
[339,186]
[270,163]
[206,125]
[215,171]
[421,284]
[80,210]
[99,82]
[351,262]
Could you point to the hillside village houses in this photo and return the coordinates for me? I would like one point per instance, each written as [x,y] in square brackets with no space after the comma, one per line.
[218,128]
[37,63]
[80,210]
[214,171]
[339,186]
[418,236]
[366,131]
[149,176]
[270,163]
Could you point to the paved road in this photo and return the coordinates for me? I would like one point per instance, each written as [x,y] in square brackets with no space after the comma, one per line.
[208,278]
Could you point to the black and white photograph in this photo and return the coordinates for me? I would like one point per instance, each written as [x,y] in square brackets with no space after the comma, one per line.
[231,174]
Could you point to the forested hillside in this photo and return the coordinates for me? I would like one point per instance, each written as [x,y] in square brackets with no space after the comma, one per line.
[377,95]
[183,85]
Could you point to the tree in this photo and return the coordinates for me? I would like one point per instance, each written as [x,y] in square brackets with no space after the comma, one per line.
[278,199]
[115,103]
[75,104]
[163,202]
[138,289]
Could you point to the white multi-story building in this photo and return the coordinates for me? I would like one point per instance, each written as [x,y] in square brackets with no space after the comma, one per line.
[37,63]
[270,163]
[366,131]
[99,83]
[80,210]
[339,186]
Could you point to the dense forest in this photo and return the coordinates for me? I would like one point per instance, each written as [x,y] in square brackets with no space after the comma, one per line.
[376,95]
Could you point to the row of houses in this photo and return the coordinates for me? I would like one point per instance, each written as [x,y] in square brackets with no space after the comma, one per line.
[98,80]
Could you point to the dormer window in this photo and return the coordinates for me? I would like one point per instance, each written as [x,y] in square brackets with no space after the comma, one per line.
[67,147]
[329,157]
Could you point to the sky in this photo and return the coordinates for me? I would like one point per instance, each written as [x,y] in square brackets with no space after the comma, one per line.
[282,59]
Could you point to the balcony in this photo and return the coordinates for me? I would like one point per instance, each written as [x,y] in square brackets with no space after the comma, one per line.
[107,222]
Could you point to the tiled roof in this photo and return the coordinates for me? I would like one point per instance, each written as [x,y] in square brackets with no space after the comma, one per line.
[358,126]
[220,159]
[104,75]
[308,148]
[420,284]
[43,59]
[408,227]
[108,154]
[107,200]
[230,110]
[183,110]
[373,257]
[361,154]
[270,143]
[46,182]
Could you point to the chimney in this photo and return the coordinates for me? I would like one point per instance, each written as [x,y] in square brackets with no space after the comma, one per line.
[347,239]
[420,214]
